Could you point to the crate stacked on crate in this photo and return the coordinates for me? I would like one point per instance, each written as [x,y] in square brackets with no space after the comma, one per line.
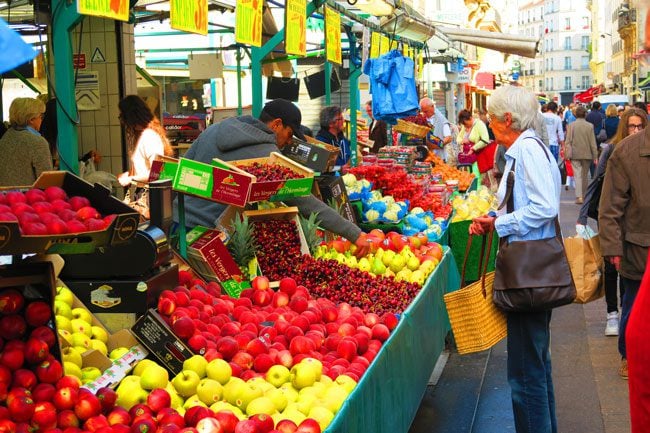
[404,156]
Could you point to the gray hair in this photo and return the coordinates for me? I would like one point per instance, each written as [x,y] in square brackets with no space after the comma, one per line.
[520,102]
[328,114]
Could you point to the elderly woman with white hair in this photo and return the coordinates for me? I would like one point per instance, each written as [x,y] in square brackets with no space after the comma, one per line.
[512,111]
[25,153]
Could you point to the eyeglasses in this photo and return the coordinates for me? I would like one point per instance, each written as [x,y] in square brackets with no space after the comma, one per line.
[638,127]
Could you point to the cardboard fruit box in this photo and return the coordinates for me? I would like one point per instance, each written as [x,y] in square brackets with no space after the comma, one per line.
[283,214]
[314,154]
[123,227]
[154,334]
[163,167]
[208,255]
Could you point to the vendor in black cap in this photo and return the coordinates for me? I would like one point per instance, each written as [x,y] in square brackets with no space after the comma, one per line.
[245,137]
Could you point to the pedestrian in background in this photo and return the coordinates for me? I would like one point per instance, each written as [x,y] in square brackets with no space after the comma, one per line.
[513,113]
[631,121]
[624,219]
[611,121]
[331,132]
[553,124]
[581,150]
[441,129]
[25,153]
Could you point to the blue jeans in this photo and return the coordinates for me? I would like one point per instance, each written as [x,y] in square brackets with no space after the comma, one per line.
[529,372]
[629,288]
[555,150]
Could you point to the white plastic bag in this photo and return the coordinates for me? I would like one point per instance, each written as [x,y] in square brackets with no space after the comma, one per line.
[585,232]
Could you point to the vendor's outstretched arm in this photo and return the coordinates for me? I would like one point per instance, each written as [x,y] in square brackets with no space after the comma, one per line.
[328,217]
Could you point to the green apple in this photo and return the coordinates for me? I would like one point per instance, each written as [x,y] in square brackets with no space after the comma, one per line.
[80,339]
[322,415]
[302,375]
[261,383]
[209,391]
[117,353]
[83,314]
[62,309]
[346,382]
[278,398]
[99,346]
[334,398]
[232,389]
[197,364]
[260,405]
[68,354]
[293,414]
[315,364]
[219,370]
[141,365]
[413,263]
[64,294]
[193,401]
[249,392]
[305,403]
[72,369]
[277,375]
[88,374]
[154,376]
[317,390]
[224,405]
[63,322]
[99,333]
[80,325]
[288,390]
[186,382]
[177,400]
[129,393]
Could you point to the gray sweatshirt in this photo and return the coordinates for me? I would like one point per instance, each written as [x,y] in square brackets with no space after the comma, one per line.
[243,138]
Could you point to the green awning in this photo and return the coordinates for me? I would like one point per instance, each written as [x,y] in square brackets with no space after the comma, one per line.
[645,83]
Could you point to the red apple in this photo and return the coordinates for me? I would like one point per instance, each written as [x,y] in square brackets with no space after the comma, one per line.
[107,398]
[65,398]
[74,226]
[20,208]
[78,202]
[183,327]
[68,382]
[12,358]
[49,371]
[298,303]
[8,217]
[43,392]
[140,410]
[243,359]
[198,343]
[195,414]
[95,224]
[46,334]
[380,332]
[45,417]
[34,229]
[264,422]
[247,426]
[286,426]
[87,406]
[143,424]
[23,378]
[166,306]
[21,408]
[287,285]
[260,283]
[11,301]
[209,425]
[227,346]
[119,415]
[227,419]
[158,399]
[67,418]
[390,320]
[55,193]
[36,351]
[347,348]
[309,425]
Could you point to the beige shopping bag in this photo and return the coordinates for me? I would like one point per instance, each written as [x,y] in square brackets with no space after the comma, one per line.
[587,267]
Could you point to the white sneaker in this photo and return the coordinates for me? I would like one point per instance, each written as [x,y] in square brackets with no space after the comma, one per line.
[611,330]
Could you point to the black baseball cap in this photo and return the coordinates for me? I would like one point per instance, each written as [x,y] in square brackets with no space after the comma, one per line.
[288,112]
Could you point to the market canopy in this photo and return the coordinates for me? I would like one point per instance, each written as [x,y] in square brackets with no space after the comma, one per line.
[588,95]
[509,44]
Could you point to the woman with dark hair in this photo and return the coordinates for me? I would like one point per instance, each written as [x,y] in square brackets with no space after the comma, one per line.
[145,138]
[473,136]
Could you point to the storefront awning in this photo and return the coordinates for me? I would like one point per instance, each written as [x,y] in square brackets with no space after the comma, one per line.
[588,95]
[502,42]
[484,80]
[644,84]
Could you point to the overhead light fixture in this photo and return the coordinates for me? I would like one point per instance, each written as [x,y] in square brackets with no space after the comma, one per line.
[408,27]
[379,8]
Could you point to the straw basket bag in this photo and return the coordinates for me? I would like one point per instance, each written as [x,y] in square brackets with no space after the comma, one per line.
[411,128]
[476,322]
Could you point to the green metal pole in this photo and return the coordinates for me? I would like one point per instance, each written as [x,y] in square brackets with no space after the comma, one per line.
[328,85]
[67,116]
[257,57]
[239,103]
[354,106]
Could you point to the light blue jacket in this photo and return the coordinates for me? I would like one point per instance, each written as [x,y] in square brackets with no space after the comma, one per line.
[536,192]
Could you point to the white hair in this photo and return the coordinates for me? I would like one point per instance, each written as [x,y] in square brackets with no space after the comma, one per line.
[520,102]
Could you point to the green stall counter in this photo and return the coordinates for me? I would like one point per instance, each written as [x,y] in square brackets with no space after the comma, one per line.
[389,393]
[458,237]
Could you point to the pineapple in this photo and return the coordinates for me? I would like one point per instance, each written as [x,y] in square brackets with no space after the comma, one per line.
[309,229]
[242,244]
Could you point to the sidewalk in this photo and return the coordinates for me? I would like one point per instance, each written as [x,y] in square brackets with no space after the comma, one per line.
[472,394]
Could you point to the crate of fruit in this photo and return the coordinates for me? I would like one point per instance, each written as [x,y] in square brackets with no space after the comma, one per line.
[62,214]
[407,127]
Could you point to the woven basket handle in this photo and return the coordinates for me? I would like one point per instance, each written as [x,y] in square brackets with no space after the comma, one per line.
[483,260]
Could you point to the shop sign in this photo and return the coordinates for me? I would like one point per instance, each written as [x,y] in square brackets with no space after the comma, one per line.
[113,9]
[333,36]
[248,24]
[189,15]
[384,45]
[79,61]
[87,91]
[375,45]
[464,75]
[295,30]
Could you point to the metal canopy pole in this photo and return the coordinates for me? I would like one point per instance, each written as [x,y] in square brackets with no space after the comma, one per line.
[239,103]
[328,84]
[258,54]
[62,24]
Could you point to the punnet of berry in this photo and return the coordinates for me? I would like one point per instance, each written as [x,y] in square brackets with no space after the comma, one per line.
[265,172]
[277,247]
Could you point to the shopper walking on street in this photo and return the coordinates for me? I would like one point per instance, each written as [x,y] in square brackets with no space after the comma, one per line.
[596,117]
[611,121]
[581,150]
[631,121]
[441,128]
[25,153]
[554,127]
[624,219]
[331,132]
[513,112]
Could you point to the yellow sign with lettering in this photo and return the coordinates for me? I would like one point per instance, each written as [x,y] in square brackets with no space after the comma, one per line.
[333,36]
[248,23]
[113,9]
[295,27]
[384,45]
[189,15]
[375,43]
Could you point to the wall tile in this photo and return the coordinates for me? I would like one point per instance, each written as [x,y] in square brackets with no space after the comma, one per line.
[103,140]
[101,116]
[116,140]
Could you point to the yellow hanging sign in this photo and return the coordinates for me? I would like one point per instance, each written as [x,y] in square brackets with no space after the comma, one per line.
[375,43]
[384,45]
[394,45]
[406,50]
[295,27]
[113,9]
[333,36]
[189,15]
[248,23]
